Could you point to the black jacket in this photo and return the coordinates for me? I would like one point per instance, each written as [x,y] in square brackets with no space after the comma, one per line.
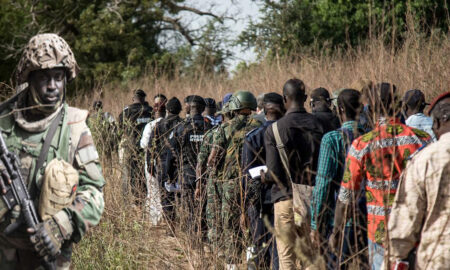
[159,143]
[328,120]
[137,115]
[301,133]
[184,147]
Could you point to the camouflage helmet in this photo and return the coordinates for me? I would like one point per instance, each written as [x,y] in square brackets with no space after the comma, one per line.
[242,100]
[46,51]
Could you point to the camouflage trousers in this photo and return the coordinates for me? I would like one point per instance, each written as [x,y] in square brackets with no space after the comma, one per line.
[17,253]
[213,209]
[231,211]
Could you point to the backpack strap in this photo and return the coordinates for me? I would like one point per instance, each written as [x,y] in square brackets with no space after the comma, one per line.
[281,150]
[44,150]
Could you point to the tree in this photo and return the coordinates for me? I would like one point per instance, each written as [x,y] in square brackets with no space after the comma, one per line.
[112,39]
[288,26]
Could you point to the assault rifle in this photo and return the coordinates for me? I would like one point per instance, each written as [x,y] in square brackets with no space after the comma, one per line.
[14,193]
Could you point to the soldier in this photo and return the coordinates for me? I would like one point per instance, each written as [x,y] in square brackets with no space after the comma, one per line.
[213,188]
[132,121]
[50,138]
[185,143]
[227,145]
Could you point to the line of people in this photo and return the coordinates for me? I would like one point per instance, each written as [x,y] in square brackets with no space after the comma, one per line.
[298,189]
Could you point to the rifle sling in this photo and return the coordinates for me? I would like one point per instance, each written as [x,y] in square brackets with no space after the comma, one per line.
[44,151]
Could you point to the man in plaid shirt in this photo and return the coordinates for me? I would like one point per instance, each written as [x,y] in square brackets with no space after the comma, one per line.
[333,150]
[376,161]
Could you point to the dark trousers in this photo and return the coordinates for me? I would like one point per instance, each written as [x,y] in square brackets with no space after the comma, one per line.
[167,199]
[260,235]
[354,242]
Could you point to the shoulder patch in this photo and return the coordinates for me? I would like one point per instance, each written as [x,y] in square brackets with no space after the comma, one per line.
[75,115]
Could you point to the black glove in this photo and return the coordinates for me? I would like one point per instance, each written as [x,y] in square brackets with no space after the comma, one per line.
[47,239]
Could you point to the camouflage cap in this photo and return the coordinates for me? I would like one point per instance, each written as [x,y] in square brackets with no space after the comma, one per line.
[46,51]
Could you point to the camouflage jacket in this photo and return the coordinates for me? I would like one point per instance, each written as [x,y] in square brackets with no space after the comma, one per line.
[73,143]
[419,218]
[229,140]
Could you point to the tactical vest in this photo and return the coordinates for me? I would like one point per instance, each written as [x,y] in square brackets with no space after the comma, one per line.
[163,131]
[191,139]
[27,146]
[235,143]
[133,120]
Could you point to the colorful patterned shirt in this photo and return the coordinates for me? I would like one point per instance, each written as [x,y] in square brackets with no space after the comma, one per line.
[333,150]
[376,160]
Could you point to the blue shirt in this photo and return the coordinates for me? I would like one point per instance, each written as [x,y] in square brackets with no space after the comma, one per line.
[422,122]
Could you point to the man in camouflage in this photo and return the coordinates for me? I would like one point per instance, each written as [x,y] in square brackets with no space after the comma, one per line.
[213,189]
[46,65]
[419,219]
[227,145]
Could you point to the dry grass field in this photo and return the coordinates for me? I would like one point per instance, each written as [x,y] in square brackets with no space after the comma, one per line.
[125,239]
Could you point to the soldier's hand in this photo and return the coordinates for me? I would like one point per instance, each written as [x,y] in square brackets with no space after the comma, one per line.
[47,239]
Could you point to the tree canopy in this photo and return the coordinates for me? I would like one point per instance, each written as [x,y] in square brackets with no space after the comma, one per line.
[110,38]
[288,26]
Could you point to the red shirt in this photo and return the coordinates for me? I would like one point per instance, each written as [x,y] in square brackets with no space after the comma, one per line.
[379,158]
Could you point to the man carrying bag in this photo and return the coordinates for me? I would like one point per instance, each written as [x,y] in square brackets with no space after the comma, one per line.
[292,147]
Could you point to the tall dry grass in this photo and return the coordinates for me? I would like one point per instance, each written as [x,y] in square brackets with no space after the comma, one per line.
[126,240]
[421,63]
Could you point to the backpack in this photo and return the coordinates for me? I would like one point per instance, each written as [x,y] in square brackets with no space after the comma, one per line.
[232,161]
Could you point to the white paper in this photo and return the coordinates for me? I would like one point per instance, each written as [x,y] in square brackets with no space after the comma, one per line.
[256,172]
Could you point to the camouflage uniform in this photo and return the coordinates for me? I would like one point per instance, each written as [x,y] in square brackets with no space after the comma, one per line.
[419,218]
[213,189]
[72,143]
[229,141]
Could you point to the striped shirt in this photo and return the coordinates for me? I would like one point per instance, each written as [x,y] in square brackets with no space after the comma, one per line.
[379,158]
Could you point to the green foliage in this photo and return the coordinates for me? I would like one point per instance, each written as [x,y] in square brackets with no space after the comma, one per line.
[288,26]
[111,40]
